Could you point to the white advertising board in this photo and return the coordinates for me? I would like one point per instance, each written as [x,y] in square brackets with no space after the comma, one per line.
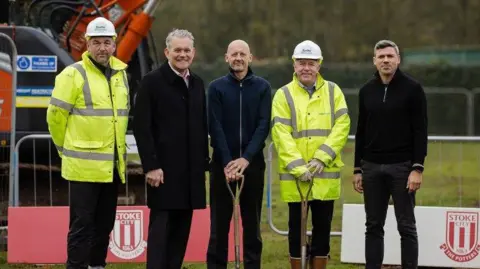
[448,236]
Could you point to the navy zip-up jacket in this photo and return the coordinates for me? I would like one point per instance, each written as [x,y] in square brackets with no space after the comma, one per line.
[231,102]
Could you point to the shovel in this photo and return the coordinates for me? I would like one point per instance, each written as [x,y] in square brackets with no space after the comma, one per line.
[303,223]
[236,213]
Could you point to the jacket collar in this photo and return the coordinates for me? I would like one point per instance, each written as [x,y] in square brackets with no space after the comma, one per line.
[100,67]
[186,76]
[170,75]
[114,63]
[231,75]
[318,83]
[396,76]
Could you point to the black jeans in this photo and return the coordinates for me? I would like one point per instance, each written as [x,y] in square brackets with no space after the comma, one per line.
[221,209]
[380,181]
[322,213]
[92,216]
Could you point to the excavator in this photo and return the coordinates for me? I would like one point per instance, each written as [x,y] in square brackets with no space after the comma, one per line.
[49,35]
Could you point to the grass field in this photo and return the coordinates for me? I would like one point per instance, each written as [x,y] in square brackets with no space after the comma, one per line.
[451,179]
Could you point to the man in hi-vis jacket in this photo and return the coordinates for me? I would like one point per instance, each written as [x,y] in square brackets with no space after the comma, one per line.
[87,118]
[310,128]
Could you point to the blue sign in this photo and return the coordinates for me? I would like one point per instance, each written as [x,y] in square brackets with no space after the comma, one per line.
[37,63]
[23,62]
[35,91]
[33,96]
[44,63]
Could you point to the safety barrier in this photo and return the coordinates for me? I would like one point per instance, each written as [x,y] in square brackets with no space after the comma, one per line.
[8,82]
[351,138]
[43,222]
[51,167]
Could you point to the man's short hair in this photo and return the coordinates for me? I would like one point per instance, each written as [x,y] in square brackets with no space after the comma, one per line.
[386,44]
[179,33]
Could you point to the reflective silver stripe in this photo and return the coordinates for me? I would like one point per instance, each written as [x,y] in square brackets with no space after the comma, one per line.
[341,112]
[125,81]
[282,121]
[293,115]
[331,93]
[58,147]
[102,112]
[92,112]
[122,112]
[61,104]
[327,149]
[295,163]
[312,132]
[88,155]
[87,95]
[291,105]
[327,175]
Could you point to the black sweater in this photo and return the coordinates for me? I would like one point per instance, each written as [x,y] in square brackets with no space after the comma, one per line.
[392,121]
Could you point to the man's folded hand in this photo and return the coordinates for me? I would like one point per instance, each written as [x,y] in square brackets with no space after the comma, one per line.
[306,177]
[315,166]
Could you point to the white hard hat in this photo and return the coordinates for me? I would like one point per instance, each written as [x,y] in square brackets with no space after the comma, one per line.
[100,27]
[307,50]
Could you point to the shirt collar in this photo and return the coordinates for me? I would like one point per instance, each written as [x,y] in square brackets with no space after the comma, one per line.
[187,74]
[307,88]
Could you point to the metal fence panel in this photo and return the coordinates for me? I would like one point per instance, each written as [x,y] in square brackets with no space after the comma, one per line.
[476,110]
[37,184]
[450,180]
[8,82]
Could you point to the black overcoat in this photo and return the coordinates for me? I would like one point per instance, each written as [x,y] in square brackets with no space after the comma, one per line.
[170,128]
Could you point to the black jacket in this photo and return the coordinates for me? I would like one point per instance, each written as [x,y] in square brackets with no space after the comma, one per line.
[170,128]
[392,121]
[231,101]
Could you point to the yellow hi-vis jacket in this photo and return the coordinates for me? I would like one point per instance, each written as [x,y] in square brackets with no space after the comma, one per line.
[88,116]
[304,128]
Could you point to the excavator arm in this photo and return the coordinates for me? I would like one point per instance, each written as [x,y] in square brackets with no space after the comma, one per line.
[68,20]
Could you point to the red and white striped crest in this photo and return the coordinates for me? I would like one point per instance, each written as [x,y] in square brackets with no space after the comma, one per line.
[127,236]
[461,242]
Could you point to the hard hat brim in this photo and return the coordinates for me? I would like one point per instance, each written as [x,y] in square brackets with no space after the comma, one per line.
[99,35]
[307,57]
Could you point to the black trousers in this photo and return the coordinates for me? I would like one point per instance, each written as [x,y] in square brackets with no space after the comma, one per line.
[221,210]
[168,234]
[322,213]
[380,181]
[92,216]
